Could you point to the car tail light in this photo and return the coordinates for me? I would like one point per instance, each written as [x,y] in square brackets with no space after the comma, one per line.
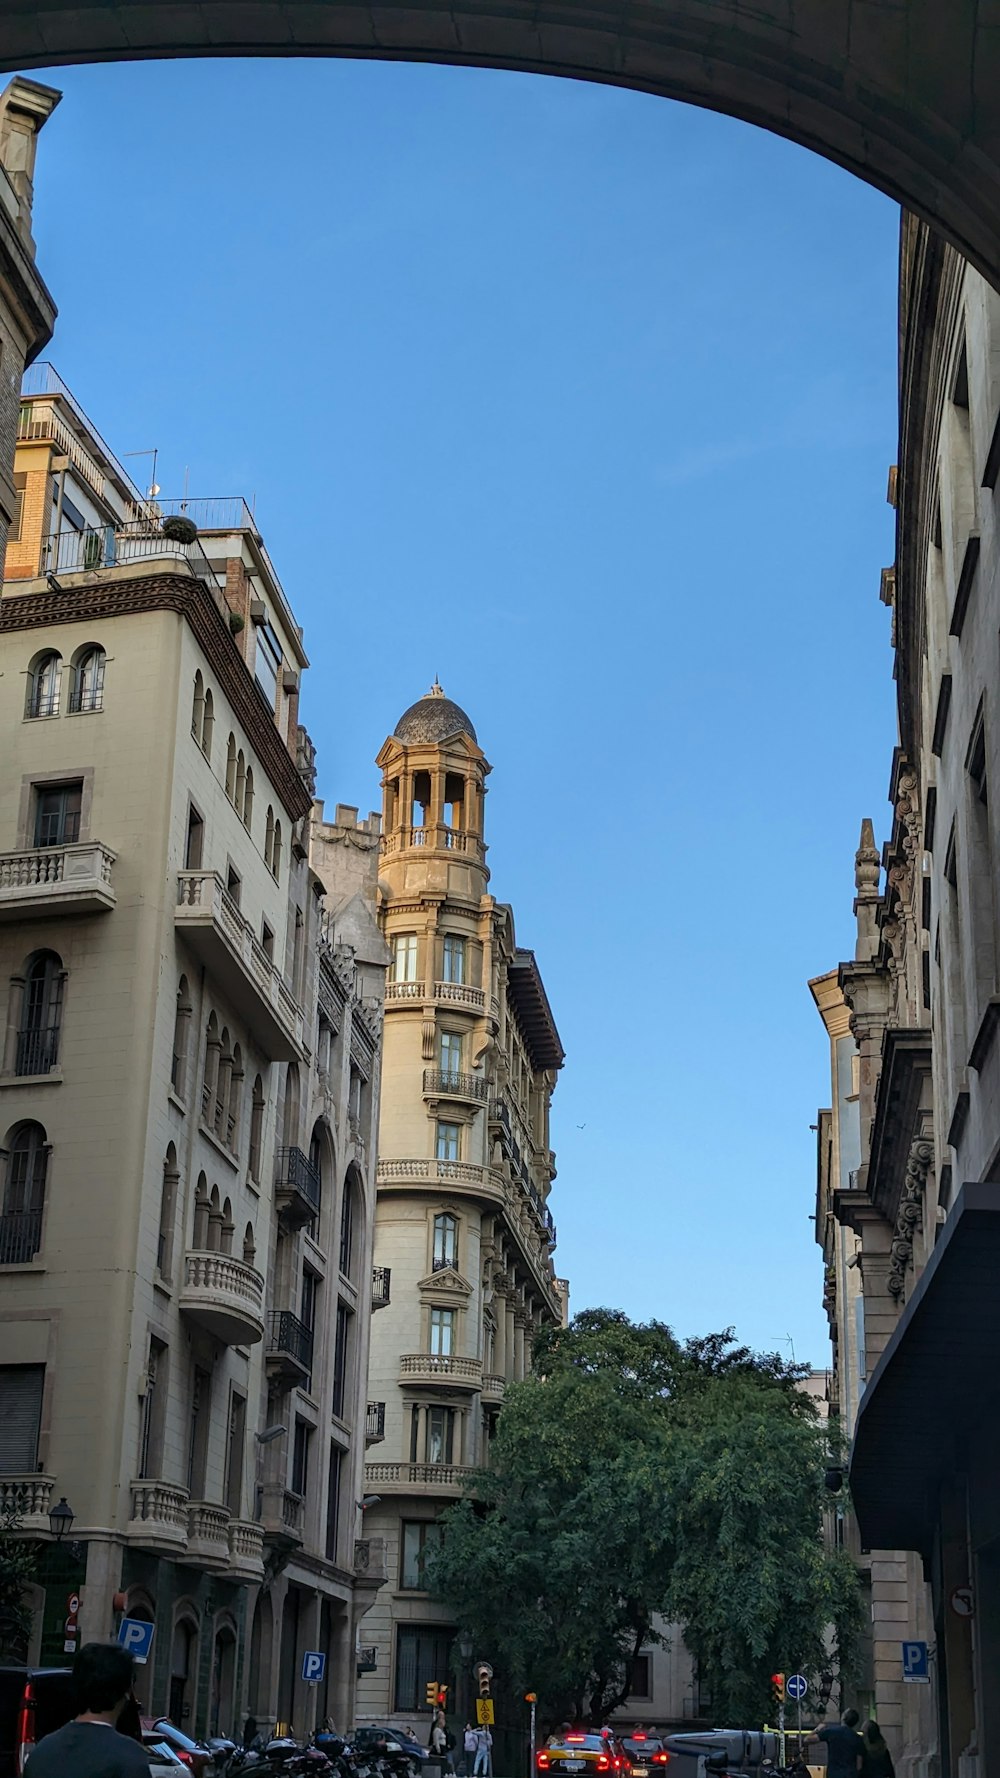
[603,1763]
[25,1728]
[662,1759]
[639,1737]
[575,1740]
[542,1761]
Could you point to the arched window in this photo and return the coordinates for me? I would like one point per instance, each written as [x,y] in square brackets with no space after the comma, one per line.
[276,852]
[231,768]
[256,1129]
[213,1048]
[223,1081]
[201,1211]
[290,1118]
[168,1206]
[198,708]
[445,1242]
[269,836]
[248,800]
[41,1015]
[182,1030]
[23,1194]
[347,1227]
[44,680]
[87,691]
[241,782]
[235,1110]
[249,1245]
[214,1220]
[228,1228]
[208,725]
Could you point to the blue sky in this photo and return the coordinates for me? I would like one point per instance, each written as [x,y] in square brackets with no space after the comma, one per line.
[585,402]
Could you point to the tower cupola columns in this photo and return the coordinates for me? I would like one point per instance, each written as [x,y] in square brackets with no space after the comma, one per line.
[433,789]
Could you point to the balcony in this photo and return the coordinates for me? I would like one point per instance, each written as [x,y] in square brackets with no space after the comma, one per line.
[369,1560]
[404,991]
[493,1388]
[419,1478]
[20,1237]
[246,1550]
[289,1353]
[297,1188]
[381,1279]
[404,1174]
[281,1516]
[52,880]
[375,1423]
[159,1518]
[225,1296]
[441,1083]
[439,1368]
[27,1498]
[460,994]
[218,934]
[208,1535]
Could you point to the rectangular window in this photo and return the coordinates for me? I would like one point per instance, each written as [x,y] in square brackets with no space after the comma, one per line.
[423,1654]
[639,1677]
[442,1332]
[445,1252]
[440,1435]
[451,1052]
[57,814]
[267,663]
[333,1502]
[448,1142]
[453,962]
[195,842]
[20,483]
[300,1457]
[21,1388]
[421,1537]
[404,957]
[234,885]
[234,1454]
[267,941]
[341,1354]
[198,1424]
[308,1300]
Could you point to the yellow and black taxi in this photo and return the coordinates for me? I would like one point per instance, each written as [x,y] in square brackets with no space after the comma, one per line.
[584,1751]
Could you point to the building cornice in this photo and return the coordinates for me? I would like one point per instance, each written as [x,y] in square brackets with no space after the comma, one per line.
[101,600]
[904,1084]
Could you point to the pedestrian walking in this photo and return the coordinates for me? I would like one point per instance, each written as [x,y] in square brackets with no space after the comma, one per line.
[90,1746]
[484,1743]
[442,1741]
[876,1760]
[844,1746]
[468,1750]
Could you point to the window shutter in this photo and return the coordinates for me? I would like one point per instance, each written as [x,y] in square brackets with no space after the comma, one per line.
[20,1417]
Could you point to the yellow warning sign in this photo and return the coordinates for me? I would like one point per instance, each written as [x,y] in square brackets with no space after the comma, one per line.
[484,1712]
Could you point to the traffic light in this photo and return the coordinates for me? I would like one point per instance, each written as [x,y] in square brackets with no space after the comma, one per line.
[442,1697]
[777,1689]
[431,1693]
[484,1682]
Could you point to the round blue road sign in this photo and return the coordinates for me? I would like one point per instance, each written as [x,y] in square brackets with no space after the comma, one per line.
[796,1685]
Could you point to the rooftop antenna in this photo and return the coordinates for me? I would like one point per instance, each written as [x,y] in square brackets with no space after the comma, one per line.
[154,487]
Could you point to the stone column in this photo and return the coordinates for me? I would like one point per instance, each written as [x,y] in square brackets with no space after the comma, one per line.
[104,1579]
[510,1347]
[519,1326]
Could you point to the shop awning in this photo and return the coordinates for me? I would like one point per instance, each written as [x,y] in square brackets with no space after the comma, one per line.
[938,1377]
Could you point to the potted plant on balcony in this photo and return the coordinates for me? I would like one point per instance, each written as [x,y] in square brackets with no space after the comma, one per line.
[179,528]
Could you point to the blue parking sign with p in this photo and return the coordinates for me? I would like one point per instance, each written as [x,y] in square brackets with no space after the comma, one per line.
[136,1637]
[915,1663]
[313,1666]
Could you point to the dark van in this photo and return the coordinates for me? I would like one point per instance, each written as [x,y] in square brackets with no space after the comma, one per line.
[33,1702]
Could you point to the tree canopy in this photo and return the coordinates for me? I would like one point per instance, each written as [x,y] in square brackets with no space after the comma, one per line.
[634,1477]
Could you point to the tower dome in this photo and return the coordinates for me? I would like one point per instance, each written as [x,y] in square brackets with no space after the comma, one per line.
[432,720]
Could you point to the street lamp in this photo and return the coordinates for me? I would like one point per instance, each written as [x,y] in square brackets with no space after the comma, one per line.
[465,1645]
[60,1519]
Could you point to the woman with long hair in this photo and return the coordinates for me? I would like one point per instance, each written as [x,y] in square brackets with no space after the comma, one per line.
[876,1760]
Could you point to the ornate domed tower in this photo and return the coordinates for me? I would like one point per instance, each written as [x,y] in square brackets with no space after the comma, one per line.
[463,1234]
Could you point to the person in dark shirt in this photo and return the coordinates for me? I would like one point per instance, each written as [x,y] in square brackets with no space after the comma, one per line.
[876,1759]
[844,1746]
[90,1746]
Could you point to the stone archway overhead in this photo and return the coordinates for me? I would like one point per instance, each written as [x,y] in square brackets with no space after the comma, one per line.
[904,93]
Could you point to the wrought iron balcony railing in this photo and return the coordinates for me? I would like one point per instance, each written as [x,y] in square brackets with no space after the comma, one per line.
[456,1086]
[381,1279]
[20,1237]
[287,1335]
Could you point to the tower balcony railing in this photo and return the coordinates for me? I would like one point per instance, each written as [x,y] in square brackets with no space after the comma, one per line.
[450,994]
[435,836]
[440,1367]
[404,991]
[421,1170]
[460,994]
[446,1083]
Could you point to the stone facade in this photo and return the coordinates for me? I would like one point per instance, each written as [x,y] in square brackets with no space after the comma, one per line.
[187,1158]
[464,1234]
[919,1208]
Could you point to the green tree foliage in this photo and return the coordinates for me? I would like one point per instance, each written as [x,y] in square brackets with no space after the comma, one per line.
[18,1566]
[633,1476]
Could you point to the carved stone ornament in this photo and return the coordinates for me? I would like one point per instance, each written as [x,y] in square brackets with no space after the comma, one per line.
[910,1215]
[908,810]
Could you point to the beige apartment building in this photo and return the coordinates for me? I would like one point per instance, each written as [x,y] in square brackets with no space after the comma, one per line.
[190,1067]
[909,1197]
[464,1234]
